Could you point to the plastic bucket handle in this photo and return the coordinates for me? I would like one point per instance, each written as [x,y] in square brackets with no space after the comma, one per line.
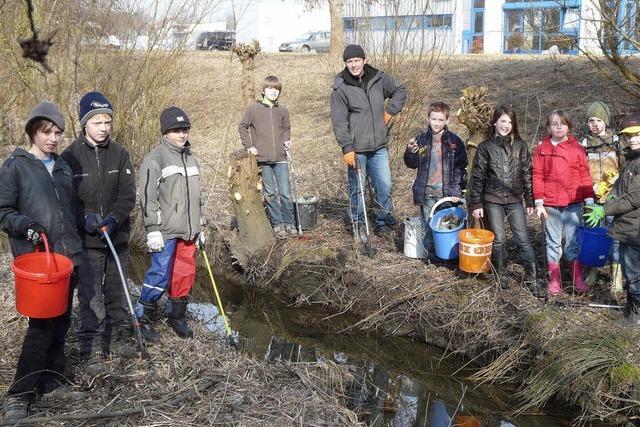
[48,255]
[445,200]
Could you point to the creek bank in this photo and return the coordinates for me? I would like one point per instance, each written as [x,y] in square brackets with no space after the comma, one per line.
[556,354]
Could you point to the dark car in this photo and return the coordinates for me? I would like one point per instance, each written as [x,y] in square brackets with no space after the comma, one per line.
[215,40]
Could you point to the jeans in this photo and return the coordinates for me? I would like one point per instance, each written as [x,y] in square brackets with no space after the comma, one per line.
[614,255]
[42,360]
[562,222]
[630,259]
[498,215]
[101,296]
[275,182]
[376,165]
[425,210]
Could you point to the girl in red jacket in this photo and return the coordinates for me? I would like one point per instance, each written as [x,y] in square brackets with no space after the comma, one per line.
[561,182]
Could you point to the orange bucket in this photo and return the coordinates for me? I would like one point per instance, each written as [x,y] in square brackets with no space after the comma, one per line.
[475,250]
[42,283]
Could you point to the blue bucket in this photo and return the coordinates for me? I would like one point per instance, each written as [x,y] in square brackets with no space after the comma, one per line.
[594,246]
[447,241]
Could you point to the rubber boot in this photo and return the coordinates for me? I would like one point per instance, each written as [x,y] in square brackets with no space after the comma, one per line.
[632,311]
[177,318]
[121,342]
[554,286]
[500,263]
[16,408]
[616,279]
[531,280]
[146,322]
[576,275]
[592,277]
[94,364]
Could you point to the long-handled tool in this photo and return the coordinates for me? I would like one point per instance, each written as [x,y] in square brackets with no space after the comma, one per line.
[369,249]
[233,340]
[134,319]
[294,190]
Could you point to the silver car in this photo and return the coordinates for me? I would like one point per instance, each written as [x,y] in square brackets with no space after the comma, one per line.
[318,41]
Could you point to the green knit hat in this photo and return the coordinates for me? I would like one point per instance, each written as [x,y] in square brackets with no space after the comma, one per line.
[600,110]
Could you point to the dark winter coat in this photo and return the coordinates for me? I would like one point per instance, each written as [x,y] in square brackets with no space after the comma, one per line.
[266,128]
[29,193]
[104,184]
[501,173]
[358,106]
[625,207]
[454,164]
[170,195]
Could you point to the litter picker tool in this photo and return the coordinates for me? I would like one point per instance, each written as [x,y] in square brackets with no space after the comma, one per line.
[294,190]
[369,249]
[134,319]
[233,340]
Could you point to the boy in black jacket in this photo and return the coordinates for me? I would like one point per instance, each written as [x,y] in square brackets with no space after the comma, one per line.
[104,189]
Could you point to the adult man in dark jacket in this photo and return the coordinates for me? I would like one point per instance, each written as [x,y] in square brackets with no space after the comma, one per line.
[104,188]
[360,122]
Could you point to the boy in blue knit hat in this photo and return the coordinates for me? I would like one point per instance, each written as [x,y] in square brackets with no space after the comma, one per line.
[104,188]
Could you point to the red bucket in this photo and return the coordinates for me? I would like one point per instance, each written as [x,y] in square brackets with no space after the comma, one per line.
[42,283]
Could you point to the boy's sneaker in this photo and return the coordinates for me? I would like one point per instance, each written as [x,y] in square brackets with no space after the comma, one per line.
[16,408]
[291,230]
[64,392]
[94,364]
[280,232]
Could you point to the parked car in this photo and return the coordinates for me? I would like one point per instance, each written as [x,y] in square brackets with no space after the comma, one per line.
[318,41]
[215,40]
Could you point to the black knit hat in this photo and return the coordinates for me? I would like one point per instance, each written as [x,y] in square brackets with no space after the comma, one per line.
[173,118]
[353,51]
[94,103]
[45,110]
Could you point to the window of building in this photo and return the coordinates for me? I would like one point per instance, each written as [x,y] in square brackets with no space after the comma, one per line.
[403,23]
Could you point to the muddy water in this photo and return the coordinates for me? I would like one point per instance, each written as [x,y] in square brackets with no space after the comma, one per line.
[397,382]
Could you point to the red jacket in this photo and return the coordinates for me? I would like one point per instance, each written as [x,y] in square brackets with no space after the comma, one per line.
[561,174]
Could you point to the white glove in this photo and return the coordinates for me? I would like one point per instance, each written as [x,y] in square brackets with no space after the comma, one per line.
[200,240]
[253,151]
[155,242]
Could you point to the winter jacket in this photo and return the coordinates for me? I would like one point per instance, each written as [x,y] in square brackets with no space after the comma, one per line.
[266,128]
[501,173]
[358,106]
[625,206]
[29,193]
[104,184]
[603,153]
[560,174]
[170,191]
[454,163]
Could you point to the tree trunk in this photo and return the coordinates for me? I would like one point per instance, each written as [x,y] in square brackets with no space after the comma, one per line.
[337,28]
[254,230]
[247,82]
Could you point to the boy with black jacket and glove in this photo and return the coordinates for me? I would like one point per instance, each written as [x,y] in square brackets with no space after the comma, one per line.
[36,198]
[105,193]
[172,214]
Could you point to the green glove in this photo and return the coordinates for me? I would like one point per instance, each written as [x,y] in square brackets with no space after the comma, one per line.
[595,214]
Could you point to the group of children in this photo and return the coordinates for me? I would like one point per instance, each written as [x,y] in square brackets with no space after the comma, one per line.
[74,199]
[564,182]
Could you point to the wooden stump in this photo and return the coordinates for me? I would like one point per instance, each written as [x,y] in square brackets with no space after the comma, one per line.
[254,229]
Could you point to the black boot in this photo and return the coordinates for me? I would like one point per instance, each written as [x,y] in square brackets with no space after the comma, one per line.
[500,264]
[177,317]
[531,280]
[149,310]
[632,310]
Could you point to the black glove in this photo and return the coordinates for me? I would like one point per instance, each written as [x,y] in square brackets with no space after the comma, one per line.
[110,222]
[34,232]
[91,222]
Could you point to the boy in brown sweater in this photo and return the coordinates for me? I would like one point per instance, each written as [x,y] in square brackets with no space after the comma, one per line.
[265,132]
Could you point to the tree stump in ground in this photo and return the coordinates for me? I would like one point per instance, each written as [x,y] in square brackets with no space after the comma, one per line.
[254,229]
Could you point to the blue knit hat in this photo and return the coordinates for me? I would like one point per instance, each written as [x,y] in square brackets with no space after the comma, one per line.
[94,103]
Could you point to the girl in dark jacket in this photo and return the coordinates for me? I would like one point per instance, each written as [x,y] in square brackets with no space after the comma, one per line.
[35,199]
[501,180]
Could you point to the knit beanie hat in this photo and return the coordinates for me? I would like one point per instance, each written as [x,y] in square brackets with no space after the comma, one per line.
[631,124]
[173,118]
[353,51]
[45,110]
[94,103]
[600,110]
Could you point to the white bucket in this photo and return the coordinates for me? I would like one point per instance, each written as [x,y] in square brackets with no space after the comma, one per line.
[414,238]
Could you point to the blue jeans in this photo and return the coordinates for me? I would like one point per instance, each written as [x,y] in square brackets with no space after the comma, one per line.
[275,185]
[376,164]
[562,222]
[614,255]
[630,258]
